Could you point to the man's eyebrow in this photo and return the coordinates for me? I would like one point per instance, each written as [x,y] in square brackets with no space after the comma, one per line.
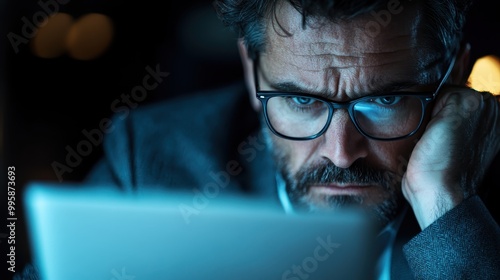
[394,87]
[291,87]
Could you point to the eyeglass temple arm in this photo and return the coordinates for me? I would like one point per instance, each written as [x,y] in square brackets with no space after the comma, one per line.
[446,76]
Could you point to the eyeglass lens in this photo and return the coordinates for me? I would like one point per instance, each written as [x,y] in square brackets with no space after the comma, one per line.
[380,117]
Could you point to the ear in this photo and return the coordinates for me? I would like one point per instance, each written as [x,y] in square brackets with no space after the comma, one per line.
[461,70]
[248,75]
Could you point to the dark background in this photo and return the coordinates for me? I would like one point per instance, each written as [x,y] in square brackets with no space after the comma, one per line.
[46,103]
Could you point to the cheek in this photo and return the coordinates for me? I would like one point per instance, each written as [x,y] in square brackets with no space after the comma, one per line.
[295,153]
[392,156]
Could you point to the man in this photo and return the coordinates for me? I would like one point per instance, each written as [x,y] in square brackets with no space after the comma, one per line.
[355,103]
[337,80]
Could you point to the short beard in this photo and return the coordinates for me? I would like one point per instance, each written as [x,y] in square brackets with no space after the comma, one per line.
[297,185]
[359,172]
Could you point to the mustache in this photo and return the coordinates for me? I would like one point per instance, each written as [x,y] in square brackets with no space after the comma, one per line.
[327,172]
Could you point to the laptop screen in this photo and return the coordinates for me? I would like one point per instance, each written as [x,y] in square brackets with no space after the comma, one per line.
[99,233]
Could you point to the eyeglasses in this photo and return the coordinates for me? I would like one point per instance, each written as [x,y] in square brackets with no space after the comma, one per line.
[303,116]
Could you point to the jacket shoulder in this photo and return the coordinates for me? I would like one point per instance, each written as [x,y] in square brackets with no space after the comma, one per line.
[179,140]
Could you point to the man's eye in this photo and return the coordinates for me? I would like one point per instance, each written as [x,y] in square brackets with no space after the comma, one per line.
[303,100]
[387,100]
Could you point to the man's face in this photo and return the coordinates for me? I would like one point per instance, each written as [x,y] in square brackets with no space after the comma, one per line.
[342,61]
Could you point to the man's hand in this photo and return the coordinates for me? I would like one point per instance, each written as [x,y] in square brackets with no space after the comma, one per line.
[449,161]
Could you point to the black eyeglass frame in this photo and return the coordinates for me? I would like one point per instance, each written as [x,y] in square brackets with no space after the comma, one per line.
[425,98]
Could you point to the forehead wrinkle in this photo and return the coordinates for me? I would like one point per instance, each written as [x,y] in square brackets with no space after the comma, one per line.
[319,62]
[272,78]
[396,44]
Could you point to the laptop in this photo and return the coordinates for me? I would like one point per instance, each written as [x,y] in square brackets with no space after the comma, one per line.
[97,232]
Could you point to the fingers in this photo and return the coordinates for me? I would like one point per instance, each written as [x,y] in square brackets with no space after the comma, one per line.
[458,107]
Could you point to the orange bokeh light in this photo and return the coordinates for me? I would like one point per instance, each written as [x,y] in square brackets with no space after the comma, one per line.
[50,39]
[89,37]
[485,74]
[84,39]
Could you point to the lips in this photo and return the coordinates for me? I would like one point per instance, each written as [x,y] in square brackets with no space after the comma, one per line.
[339,189]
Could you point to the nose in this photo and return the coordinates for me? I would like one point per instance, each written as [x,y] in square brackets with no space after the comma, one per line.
[342,143]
